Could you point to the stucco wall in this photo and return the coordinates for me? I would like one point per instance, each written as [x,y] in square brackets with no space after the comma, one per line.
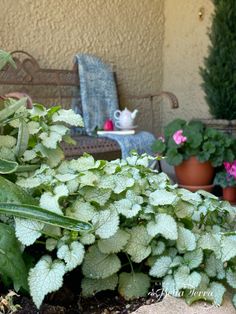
[185,46]
[127,33]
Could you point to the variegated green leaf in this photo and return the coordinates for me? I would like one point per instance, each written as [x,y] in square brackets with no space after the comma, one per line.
[133,285]
[228,246]
[72,254]
[165,225]
[115,243]
[209,241]
[98,265]
[106,223]
[160,267]
[218,291]
[22,139]
[6,57]
[11,109]
[138,246]
[7,166]
[186,240]
[27,231]
[92,286]
[231,278]
[7,141]
[69,117]
[50,275]
[186,280]
[162,197]
[194,258]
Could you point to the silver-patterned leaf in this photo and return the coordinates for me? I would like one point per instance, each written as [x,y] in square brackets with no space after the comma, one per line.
[72,254]
[138,246]
[28,231]
[186,240]
[160,267]
[133,285]
[92,286]
[162,197]
[164,225]
[98,265]
[106,223]
[50,276]
[115,243]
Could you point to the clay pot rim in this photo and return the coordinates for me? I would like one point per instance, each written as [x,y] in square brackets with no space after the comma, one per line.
[194,188]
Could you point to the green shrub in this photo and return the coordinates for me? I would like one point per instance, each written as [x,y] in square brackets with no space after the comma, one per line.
[219,80]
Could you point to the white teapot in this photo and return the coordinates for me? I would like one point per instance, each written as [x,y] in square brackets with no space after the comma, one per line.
[125,119]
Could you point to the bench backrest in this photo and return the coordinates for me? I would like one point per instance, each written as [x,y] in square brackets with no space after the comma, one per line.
[56,86]
[43,85]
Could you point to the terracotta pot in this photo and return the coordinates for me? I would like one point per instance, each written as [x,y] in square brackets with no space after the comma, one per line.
[194,188]
[193,172]
[229,194]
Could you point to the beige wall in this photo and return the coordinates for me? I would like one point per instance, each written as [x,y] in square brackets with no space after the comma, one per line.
[155,44]
[185,46]
[128,33]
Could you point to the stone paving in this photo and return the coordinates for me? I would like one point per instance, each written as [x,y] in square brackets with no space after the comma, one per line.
[171,305]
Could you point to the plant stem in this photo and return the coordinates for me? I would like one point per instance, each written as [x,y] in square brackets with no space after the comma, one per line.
[131,265]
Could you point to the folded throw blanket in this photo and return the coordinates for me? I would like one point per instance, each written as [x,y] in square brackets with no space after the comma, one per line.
[141,142]
[97,92]
[96,100]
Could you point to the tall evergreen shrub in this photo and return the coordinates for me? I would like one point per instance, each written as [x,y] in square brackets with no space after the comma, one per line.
[219,72]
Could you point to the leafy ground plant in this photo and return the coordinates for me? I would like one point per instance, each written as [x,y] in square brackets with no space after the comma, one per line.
[28,138]
[127,214]
[184,239]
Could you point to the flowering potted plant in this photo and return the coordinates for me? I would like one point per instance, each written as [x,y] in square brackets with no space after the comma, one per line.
[227,180]
[194,150]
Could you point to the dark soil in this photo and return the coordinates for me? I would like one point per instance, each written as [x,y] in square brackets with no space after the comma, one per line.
[64,302]
[68,300]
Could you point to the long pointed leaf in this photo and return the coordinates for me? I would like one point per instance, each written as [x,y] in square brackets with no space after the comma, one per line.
[6,57]
[10,110]
[7,166]
[12,193]
[27,168]
[37,213]
[11,262]
[23,138]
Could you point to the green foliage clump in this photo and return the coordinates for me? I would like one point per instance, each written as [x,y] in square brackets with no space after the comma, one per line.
[219,79]
[32,136]
[224,180]
[207,144]
[120,221]
[226,177]
[185,239]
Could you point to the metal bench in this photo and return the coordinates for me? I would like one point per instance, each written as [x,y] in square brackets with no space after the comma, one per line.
[55,86]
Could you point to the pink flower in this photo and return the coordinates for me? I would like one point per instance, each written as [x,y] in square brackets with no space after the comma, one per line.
[161,138]
[179,138]
[227,166]
[230,168]
[233,169]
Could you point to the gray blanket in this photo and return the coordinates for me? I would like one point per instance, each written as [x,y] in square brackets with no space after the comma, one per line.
[141,142]
[98,92]
[96,101]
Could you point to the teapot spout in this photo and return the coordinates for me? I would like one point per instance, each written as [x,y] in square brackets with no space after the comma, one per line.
[134,113]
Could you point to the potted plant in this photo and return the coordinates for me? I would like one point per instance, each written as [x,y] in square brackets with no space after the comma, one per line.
[218,72]
[195,150]
[226,178]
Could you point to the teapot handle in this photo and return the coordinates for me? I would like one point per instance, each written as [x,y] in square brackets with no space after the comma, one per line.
[117,114]
[117,124]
